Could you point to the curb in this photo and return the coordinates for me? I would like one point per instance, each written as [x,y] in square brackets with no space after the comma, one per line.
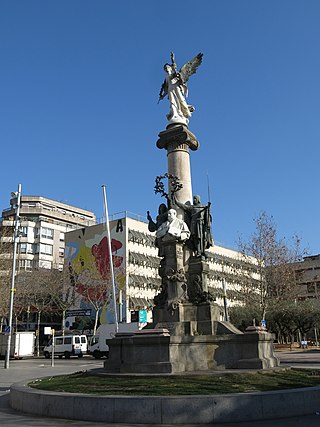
[181,410]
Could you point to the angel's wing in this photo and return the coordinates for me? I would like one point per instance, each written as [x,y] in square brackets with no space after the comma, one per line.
[190,67]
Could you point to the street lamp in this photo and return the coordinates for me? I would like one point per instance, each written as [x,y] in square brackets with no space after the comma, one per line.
[225,308]
[17,199]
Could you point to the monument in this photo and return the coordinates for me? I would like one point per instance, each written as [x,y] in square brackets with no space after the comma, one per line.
[187,333]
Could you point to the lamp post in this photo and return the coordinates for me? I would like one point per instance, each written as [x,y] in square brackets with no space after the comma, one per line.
[225,308]
[17,197]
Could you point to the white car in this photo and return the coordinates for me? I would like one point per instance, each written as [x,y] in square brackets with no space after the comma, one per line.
[67,346]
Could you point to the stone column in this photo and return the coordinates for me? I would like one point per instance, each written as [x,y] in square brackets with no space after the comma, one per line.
[178,140]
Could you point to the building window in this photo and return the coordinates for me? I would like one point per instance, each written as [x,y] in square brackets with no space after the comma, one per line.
[311,288]
[46,249]
[61,252]
[23,231]
[47,233]
[23,248]
[45,264]
[27,248]
[25,264]
[61,237]
[31,248]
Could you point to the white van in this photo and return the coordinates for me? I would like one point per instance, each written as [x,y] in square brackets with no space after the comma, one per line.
[98,346]
[67,345]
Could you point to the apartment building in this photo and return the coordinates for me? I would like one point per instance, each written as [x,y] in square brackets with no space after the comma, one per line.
[308,277]
[42,227]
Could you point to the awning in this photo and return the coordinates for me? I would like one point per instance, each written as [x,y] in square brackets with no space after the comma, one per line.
[144,281]
[140,237]
[143,259]
[136,303]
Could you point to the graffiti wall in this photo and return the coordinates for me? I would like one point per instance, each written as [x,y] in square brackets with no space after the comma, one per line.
[88,259]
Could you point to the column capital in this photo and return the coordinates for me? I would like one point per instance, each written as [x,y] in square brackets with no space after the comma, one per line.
[176,136]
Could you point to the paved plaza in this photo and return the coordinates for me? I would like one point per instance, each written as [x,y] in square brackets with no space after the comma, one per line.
[32,368]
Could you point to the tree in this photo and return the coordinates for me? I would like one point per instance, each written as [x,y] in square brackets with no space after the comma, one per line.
[34,291]
[4,299]
[6,253]
[289,318]
[62,291]
[281,320]
[95,292]
[306,315]
[272,277]
[243,316]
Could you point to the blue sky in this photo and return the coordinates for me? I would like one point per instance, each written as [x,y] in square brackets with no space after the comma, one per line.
[79,84]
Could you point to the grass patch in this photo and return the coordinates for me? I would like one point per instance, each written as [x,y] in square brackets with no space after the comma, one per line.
[84,382]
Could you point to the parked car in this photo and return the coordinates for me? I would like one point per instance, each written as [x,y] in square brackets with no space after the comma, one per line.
[67,346]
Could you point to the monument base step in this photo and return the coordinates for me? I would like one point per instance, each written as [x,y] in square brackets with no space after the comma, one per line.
[161,353]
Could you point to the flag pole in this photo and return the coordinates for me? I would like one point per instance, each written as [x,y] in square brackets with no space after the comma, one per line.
[110,258]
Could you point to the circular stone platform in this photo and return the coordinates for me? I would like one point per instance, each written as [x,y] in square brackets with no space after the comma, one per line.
[178,410]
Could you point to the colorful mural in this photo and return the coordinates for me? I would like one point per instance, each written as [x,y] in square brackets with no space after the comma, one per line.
[88,258]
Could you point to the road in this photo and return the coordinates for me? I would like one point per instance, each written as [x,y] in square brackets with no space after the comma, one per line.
[21,370]
[309,358]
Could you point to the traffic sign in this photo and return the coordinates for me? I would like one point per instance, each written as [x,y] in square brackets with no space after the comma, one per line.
[78,313]
[143,316]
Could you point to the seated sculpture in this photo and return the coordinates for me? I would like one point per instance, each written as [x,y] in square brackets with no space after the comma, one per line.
[173,227]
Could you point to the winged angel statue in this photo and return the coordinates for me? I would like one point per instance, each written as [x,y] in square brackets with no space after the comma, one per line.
[175,87]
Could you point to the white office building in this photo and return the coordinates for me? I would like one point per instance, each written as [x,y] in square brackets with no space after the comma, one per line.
[136,263]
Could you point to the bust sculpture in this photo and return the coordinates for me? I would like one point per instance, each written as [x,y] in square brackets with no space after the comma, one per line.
[173,228]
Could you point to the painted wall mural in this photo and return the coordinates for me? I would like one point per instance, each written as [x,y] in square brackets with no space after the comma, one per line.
[88,258]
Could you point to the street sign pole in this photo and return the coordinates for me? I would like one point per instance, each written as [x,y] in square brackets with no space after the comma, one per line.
[53,348]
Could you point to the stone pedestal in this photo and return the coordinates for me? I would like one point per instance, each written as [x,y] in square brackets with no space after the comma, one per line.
[198,271]
[187,318]
[172,272]
[159,352]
